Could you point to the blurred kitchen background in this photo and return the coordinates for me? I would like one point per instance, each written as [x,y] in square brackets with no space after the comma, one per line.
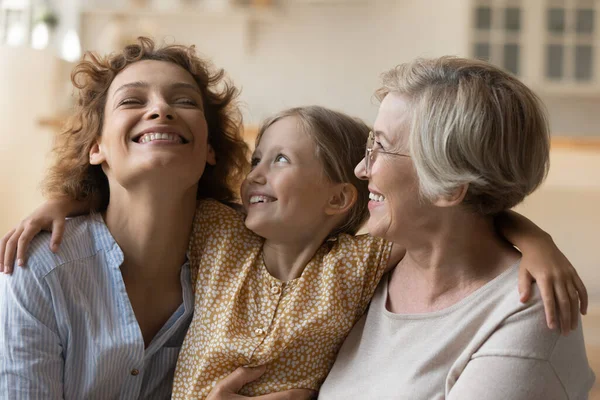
[285,53]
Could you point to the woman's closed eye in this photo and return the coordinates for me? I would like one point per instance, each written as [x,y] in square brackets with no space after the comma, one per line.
[186,101]
[130,101]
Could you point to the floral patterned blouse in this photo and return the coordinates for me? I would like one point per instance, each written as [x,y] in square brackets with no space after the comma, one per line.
[245,317]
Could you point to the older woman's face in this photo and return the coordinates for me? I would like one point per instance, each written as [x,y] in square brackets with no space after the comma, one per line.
[393,182]
[154,127]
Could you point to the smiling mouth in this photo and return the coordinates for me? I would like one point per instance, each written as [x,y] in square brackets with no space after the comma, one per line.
[376,197]
[257,199]
[160,136]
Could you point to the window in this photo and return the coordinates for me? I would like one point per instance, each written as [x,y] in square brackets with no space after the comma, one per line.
[570,49]
[14,22]
[497,30]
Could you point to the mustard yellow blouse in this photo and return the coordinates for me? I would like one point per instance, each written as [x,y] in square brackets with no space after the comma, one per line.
[245,316]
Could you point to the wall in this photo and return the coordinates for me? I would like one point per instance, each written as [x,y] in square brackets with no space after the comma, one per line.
[306,54]
[29,88]
[566,206]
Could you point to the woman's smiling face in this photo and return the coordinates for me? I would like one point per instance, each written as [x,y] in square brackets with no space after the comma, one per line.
[395,203]
[153,126]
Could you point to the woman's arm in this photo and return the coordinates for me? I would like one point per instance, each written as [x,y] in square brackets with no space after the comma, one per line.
[543,262]
[227,388]
[31,362]
[49,216]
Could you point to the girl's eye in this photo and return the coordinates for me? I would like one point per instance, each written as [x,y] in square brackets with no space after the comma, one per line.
[254,162]
[281,158]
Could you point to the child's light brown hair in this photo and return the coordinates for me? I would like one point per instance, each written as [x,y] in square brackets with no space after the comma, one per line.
[340,141]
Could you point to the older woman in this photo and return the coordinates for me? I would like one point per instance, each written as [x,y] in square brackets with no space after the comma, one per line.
[455,142]
[105,317]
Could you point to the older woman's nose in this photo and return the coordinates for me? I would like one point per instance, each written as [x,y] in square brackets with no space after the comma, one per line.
[361,171]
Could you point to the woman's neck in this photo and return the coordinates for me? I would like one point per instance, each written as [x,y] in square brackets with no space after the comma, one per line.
[446,264]
[153,231]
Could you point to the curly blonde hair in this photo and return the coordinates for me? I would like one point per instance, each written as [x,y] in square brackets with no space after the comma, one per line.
[73,177]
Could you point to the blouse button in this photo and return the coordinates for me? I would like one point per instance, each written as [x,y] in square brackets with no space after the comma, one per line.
[259,331]
[242,360]
[135,372]
[275,289]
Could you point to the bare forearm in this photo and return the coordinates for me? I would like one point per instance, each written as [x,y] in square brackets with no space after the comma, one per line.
[520,231]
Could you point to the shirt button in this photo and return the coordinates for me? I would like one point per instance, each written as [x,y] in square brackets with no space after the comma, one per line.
[275,289]
[242,360]
[135,372]
[259,331]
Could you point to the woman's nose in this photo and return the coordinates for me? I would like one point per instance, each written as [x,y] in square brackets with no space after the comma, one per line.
[361,171]
[161,110]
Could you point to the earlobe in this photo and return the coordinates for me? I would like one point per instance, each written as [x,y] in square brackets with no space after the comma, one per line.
[342,199]
[211,157]
[453,199]
[96,155]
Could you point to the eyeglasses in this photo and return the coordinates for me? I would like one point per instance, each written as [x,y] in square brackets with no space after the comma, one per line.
[370,152]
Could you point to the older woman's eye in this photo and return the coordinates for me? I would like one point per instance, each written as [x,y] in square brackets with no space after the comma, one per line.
[378,145]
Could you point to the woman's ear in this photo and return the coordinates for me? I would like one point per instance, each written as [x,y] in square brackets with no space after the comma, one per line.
[342,199]
[453,199]
[211,156]
[96,155]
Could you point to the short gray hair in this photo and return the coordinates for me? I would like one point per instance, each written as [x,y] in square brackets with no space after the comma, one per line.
[474,124]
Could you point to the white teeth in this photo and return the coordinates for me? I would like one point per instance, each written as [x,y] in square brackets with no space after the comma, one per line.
[260,199]
[148,137]
[376,197]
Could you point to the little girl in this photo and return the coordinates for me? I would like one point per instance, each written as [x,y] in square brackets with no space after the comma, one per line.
[284,285]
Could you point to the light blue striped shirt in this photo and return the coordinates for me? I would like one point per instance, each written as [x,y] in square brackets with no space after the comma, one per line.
[68,330]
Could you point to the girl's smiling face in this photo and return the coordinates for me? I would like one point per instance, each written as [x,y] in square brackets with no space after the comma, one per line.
[286,193]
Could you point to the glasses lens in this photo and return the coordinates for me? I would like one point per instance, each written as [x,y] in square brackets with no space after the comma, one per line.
[369,151]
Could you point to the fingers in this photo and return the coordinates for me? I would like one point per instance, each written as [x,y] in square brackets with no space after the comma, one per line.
[58,229]
[10,250]
[583,294]
[23,241]
[525,281]
[547,292]
[564,307]
[574,301]
[237,379]
[3,242]
[293,394]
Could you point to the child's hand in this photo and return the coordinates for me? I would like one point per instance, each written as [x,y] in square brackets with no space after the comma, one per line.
[560,286]
[50,216]
[228,387]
